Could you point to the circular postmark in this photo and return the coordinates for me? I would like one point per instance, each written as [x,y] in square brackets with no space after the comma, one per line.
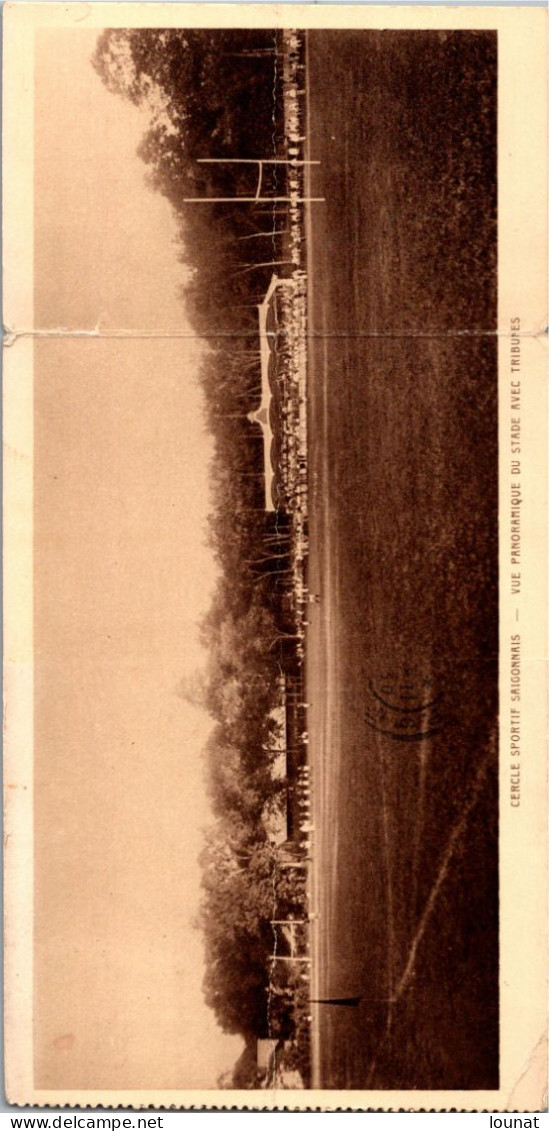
[404,704]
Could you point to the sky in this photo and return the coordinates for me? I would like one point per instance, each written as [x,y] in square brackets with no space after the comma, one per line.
[122,577]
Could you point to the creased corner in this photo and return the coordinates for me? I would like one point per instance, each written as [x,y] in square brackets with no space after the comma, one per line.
[530,1091]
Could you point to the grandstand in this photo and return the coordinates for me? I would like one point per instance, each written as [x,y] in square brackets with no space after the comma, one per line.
[268,414]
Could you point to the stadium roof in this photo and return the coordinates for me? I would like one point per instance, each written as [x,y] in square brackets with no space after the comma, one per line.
[263,415]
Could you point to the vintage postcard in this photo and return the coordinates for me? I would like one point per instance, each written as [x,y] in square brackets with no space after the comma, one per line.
[274,426]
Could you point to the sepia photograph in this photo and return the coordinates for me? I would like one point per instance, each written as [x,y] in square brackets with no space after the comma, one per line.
[278,655]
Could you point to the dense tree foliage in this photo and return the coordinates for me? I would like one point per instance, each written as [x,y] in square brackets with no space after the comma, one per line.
[217,94]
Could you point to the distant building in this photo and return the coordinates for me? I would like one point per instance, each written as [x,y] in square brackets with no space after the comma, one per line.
[276,824]
[265,1053]
[268,409]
